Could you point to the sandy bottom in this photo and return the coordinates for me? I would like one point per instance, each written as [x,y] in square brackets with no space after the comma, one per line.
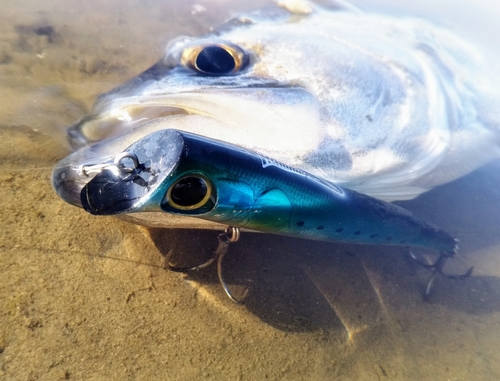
[83,297]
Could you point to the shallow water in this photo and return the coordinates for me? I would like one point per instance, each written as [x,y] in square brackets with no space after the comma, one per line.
[84,297]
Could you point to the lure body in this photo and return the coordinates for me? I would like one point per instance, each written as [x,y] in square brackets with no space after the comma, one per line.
[183,173]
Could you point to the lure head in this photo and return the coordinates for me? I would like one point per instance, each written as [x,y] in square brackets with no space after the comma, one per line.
[178,173]
[144,177]
[152,157]
[76,171]
[128,182]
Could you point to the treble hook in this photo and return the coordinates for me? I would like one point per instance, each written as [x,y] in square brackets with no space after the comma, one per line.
[437,268]
[231,234]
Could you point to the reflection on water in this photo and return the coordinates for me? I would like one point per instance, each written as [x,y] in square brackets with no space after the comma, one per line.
[88,298]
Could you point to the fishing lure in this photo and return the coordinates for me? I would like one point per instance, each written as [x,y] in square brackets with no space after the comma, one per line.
[176,172]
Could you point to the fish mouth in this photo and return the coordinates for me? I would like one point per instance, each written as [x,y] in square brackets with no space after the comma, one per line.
[114,114]
[96,127]
[245,114]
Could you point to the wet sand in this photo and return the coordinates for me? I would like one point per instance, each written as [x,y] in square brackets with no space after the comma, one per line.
[84,297]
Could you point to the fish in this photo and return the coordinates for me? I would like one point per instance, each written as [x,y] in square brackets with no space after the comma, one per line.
[388,106]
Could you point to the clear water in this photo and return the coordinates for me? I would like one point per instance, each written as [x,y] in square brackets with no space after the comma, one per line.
[87,298]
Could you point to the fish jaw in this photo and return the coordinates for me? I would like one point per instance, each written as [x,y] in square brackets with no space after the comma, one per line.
[281,122]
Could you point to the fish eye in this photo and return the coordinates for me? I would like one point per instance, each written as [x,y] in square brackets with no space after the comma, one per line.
[215,59]
[189,193]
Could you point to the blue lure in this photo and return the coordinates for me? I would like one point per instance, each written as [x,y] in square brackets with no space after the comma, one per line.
[177,172]
[182,173]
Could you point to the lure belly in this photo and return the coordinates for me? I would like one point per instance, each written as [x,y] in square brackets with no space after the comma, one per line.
[177,172]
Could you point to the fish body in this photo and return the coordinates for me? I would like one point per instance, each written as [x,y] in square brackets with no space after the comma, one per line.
[181,173]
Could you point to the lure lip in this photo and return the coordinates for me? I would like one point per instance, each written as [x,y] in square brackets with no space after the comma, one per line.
[69,175]
[68,183]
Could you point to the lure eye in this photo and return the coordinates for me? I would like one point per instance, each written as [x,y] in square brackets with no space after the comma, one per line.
[215,59]
[190,193]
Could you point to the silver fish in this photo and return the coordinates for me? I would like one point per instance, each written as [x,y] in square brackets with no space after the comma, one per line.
[389,107]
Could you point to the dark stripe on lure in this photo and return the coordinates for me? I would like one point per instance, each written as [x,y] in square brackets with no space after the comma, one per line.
[183,173]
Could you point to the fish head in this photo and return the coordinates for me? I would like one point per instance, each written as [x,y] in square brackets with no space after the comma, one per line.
[362,100]
[235,76]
